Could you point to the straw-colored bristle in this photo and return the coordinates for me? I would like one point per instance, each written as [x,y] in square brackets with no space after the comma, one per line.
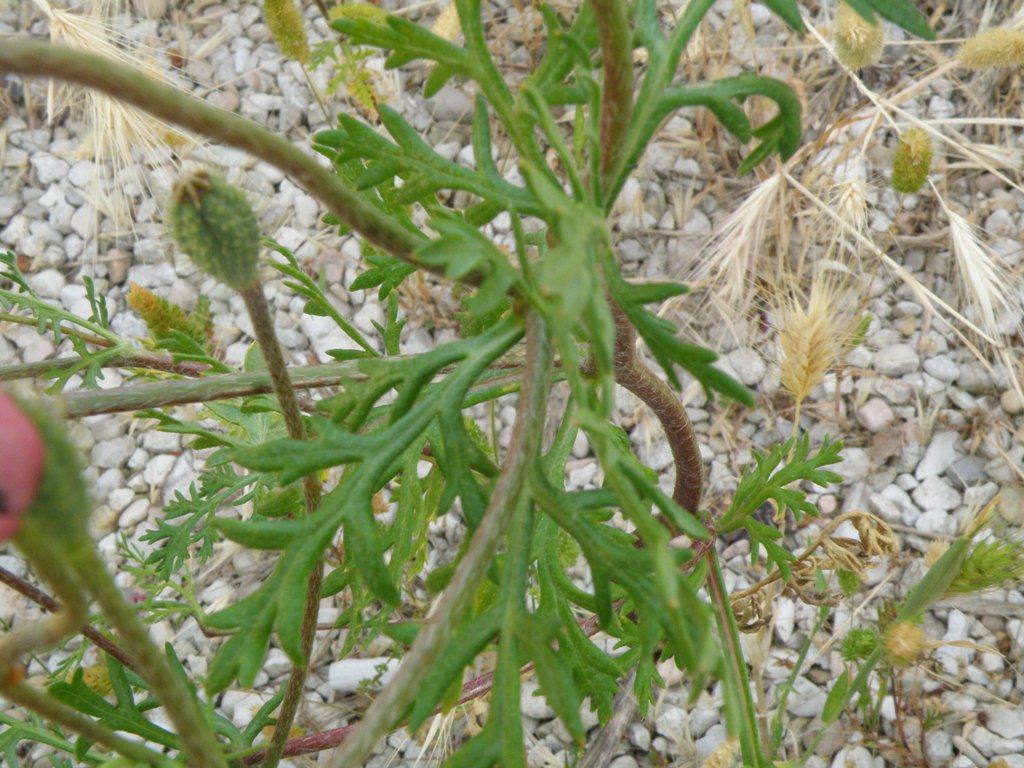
[811,337]
[285,22]
[731,262]
[114,131]
[985,279]
[858,42]
[993,48]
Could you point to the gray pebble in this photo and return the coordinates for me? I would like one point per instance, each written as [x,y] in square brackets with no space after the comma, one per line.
[966,472]
[939,455]
[934,493]
[748,365]
[942,368]
[110,454]
[875,415]
[896,360]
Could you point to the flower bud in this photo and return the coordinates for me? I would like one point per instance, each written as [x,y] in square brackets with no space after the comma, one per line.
[42,493]
[22,458]
[214,224]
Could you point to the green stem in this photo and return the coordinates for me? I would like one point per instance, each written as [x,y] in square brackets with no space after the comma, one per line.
[664,60]
[433,638]
[263,327]
[129,86]
[617,88]
[32,699]
[741,714]
[196,736]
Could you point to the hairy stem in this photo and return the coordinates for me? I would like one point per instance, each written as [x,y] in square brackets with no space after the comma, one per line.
[195,734]
[617,88]
[34,700]
[633,374]
[263,327]
[149,362]
[434,636]
[129,86]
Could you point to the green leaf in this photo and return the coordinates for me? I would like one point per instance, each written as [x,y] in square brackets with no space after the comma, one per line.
[788,11]
[900,12]
[835,702]
[261,534]
[556,683]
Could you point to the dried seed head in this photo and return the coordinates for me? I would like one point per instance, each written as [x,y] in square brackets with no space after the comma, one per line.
[22,458]
[904,642]
[285,23]
[999,47]
[912,162]
[214,224]
[858,42]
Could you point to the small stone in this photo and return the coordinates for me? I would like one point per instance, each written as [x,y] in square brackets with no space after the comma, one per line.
[703,718]
[1011,402]
[47,283]
[639,737]
[936,494]
[896,360]
[350,675]
[939,456]
[875,415]
[806,700]
[852,757]
[624,761]
[942,368]
[711,740]
[938,747]
[1007,722]
[854,466]
[277,663]
[110,454]
[136,512]
[1011,503]
[49,168]
[120,498]
[452,104]
[966,472]
[671,722]
[989,744]
[974,378]
[533,704]
[748,366]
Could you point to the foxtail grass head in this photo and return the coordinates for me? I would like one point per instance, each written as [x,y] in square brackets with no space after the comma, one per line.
[993,49]
[913,161]
[858,42]
[285,23]
[215,225]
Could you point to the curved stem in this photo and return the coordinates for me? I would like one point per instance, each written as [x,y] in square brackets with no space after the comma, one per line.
[41,598]
[34,700]
[633,374]
[434,636]
[263,326]
[193,731]
[129,86]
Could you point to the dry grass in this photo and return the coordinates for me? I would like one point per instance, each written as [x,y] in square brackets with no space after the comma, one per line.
[117,136]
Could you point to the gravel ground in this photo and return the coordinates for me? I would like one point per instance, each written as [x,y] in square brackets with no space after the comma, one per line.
[932,431]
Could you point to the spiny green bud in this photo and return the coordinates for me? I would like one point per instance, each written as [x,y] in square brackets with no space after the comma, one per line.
[912,162]
[286,25]
[215,225]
